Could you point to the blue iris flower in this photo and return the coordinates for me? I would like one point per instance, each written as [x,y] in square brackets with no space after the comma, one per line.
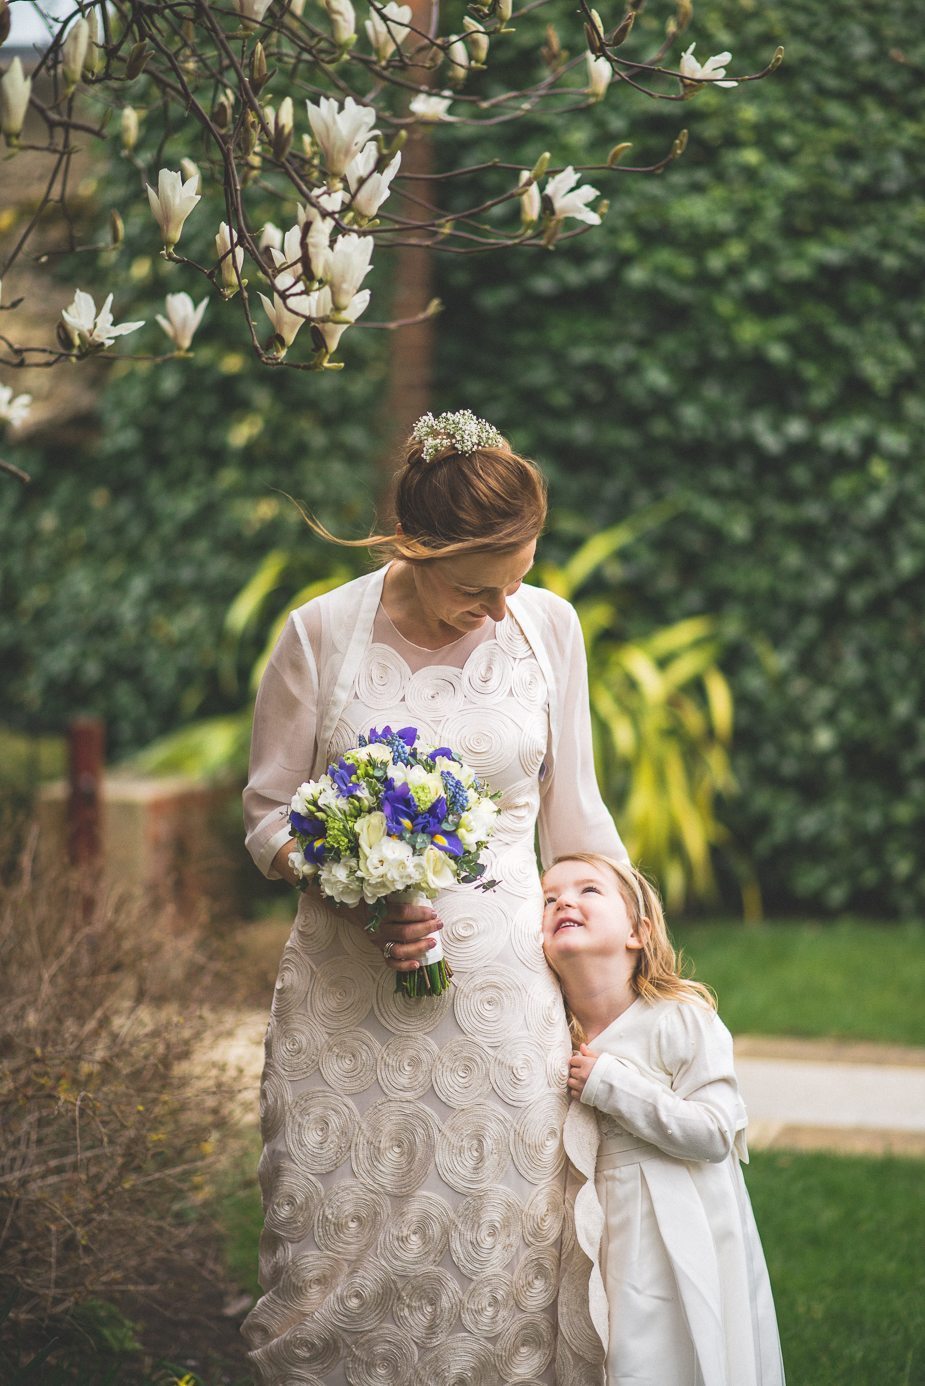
[312,829]
[342,774]
[402,815]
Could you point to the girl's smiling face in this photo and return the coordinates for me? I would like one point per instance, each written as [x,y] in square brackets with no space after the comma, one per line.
[584,913]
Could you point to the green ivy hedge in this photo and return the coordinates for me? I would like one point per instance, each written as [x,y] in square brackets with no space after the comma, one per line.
[746,333]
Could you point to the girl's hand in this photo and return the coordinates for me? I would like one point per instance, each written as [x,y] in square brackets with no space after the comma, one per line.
[412,932]
[579,1069]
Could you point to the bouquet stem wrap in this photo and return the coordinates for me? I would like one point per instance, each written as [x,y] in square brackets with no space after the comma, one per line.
[433,976]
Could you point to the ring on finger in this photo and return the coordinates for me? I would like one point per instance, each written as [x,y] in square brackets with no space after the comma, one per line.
[388,950]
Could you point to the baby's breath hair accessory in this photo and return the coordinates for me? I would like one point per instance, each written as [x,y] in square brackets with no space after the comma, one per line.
[461,430]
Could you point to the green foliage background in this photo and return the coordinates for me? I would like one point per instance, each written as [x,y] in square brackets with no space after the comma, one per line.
[744,335]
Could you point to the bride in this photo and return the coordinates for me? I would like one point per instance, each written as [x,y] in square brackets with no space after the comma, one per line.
[418,1225]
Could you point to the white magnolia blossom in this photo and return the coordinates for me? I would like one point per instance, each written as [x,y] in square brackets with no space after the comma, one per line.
[182,319]
[172,203]
[343,21]
[74,53]
[387,28]
[477,40]
[231,260]
[322,307]
[600,75]
[288,254]
[349,266]
[271,237]
[341,133]
[457,56]
[321,228]
[13,409]
[15,90]
[252,11]
[568,201]
[530,200]
[431,108]
[128,128]
[88,328]
[713,70]
[289,310]
[370,189]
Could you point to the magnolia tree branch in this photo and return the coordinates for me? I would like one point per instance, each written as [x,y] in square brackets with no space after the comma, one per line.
[302,117]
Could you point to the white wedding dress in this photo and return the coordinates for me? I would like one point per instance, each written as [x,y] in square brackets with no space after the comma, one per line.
[418,1226]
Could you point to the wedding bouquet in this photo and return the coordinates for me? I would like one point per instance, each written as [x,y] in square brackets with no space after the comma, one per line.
[393,818]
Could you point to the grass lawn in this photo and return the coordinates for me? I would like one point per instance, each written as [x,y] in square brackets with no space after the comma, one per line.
[845,1242]
[851,980]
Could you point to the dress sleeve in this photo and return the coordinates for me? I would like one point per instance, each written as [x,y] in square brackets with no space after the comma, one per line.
[701,1116]
[283,742]
[573,817]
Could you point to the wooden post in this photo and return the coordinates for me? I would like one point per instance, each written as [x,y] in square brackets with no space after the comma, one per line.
[409,391]
[86,742]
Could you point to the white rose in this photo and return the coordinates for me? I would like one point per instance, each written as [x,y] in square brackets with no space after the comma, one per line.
[370,831]
[438,873]
[339,880]
[378,752]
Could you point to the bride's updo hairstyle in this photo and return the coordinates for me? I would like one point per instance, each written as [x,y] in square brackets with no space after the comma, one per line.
[448,501]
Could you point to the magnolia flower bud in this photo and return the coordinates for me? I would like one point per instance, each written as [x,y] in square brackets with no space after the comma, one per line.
[137,59]
[343,22]
[503,10]
[258,68]
[191,170]
[616,154]
[457,56]
[223,109]
[15,89]
[95,55]
[230,254]
[477,40]
[600,75]
[530,202]
[282,128]
[73,53]
[541,165]
[252,11]
[128,128]
[116,228]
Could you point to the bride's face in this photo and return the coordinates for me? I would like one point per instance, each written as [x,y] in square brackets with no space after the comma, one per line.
[462,592]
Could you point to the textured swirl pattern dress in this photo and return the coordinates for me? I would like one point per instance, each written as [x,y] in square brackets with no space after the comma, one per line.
[418,1227]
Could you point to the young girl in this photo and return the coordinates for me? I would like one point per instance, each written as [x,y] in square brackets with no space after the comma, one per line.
[688,1297]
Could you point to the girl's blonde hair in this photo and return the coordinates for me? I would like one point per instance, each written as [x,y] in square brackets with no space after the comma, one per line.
[491,499]
[658,967]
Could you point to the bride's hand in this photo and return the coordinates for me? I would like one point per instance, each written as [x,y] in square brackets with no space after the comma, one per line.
[411,930]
